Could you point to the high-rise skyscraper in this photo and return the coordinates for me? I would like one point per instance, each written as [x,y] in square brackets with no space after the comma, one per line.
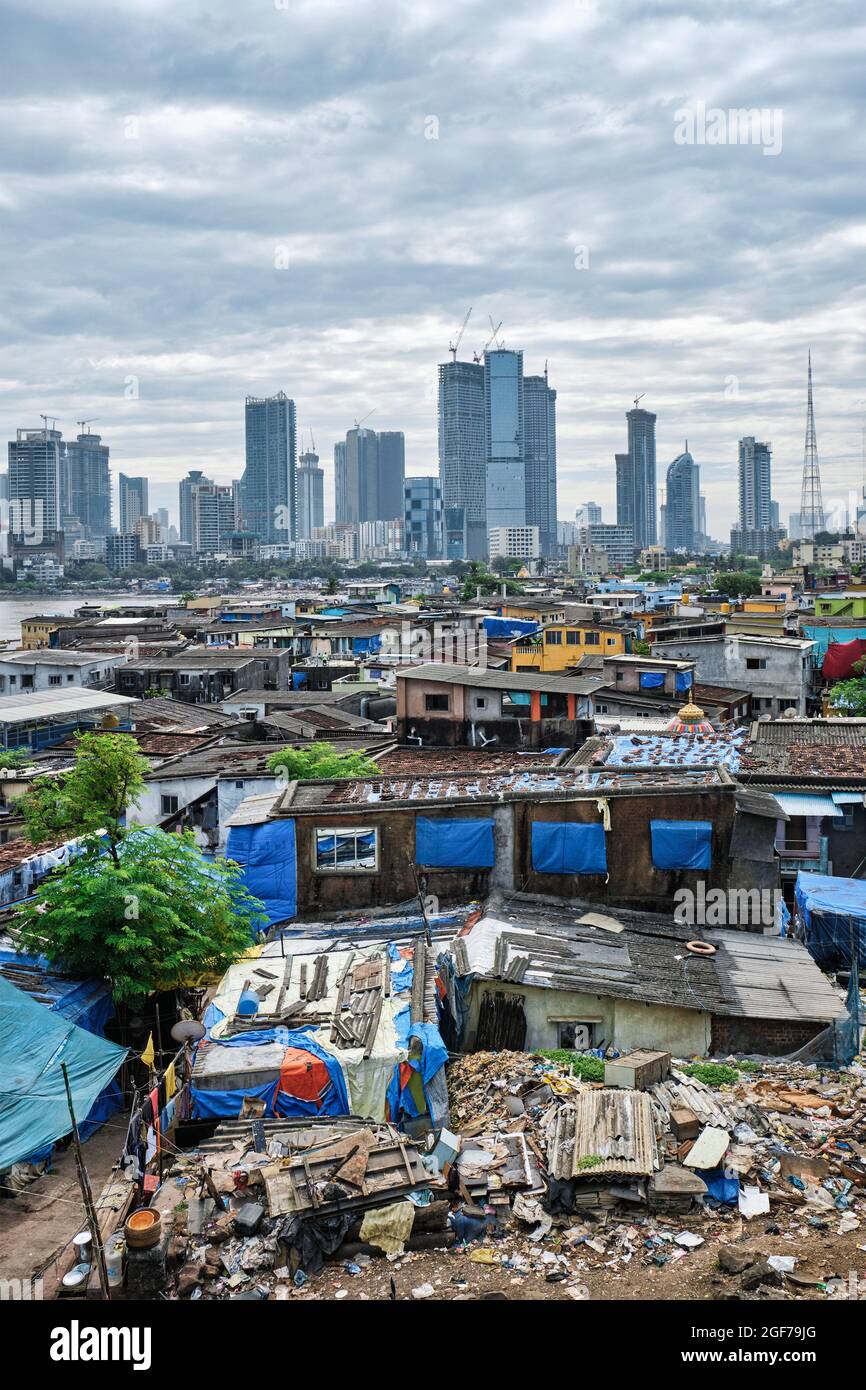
[423,517]
[214,516]
[756,533]
[497,451]
[392,474]
[341,485]
[362,475]
[88,484]
[462,471]
[504,438]
[682,510]
[132,495]
[36,464]
[311,495]
[636,479]
[268,490]
[755,484]
[539,418]
[374,475]
[194,478]
[588,514]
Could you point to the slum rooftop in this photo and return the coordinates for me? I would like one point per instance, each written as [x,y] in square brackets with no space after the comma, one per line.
[483,678]
[55,704]
[162,714]
[56,656]
[806,750]
[512,784]
[409,759]
[643,750]
[195,658]
[628,954]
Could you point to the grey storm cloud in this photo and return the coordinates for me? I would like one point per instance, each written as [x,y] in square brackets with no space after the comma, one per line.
[233,198]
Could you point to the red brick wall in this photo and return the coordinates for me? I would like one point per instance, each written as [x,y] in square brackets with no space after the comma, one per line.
[773,1036]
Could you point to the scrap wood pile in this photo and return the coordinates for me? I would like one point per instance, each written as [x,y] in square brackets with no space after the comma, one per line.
[266,1202]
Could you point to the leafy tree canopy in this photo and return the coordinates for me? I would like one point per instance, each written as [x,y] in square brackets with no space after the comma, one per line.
[107,778]
[319,762]
[738,584]
[12,758]
[849,697]
[158,917]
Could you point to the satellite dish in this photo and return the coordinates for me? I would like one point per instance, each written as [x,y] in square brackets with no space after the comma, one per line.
[188,1030]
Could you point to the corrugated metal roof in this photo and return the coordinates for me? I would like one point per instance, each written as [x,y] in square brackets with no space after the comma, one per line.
[54,704]
[613,1125]
[481,677]
[807,804]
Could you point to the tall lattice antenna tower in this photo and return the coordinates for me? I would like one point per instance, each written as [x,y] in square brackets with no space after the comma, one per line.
[811,506]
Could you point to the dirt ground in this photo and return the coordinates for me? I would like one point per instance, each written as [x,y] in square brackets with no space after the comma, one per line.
[454,1275]
[39,1222]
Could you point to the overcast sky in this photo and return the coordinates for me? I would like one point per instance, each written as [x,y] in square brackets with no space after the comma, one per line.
[213,200]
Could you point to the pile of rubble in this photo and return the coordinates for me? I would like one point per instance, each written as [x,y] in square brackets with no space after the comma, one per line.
[543,1176]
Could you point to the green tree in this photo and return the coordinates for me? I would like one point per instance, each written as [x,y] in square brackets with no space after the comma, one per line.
[640,648]
[849,698]
[106,778]
[738,584]
[320,762]
[13,758]
[155,916]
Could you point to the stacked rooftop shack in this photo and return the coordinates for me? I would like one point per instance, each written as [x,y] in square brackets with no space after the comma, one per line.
[602,820]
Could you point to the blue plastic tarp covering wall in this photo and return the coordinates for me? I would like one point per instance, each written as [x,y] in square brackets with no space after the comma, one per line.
[683,682]
[213,1104]
[269,860]
[509,627]
[833,913]
[33,1043]
[652,680]
[454,844]
[682,844]
[562,847]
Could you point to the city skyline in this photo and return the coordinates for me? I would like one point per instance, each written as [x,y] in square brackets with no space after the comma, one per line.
[163,288]
[460,373]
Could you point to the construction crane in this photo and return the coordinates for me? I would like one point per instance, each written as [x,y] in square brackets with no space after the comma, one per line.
[452,347]
[359,423]
[477,356]
[82,424]
[639,398]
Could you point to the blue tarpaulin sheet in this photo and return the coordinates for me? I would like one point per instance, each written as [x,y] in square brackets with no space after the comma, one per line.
[454,844]
[33,1043]
[267,855]
[652,680]
[509,627]
[214,1104]
[683,682]
[85,1002]
[434,1054]
[833,913]
[682,844]
[562,847]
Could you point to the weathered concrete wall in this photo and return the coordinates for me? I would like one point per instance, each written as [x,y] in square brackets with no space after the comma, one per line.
[683,1032]
[632,878]
[624,1023]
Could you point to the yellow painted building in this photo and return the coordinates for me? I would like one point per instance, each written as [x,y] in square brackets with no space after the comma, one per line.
[560,645]
[36,632]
